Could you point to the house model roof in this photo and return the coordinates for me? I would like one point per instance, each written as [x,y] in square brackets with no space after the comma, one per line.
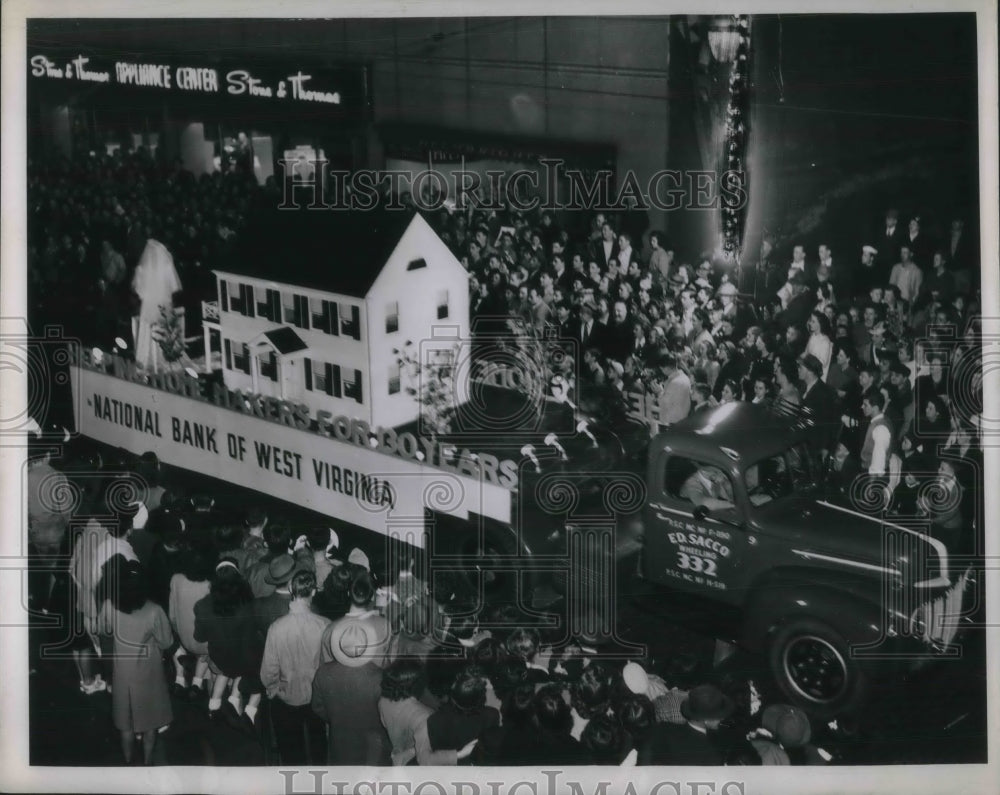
[337,251]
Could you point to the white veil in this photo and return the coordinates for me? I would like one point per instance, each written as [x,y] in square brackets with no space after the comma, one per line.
[155,282]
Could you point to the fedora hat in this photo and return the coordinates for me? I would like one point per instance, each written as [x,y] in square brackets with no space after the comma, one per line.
[355,642]
[788,724]
[707,702]
[282,569]
[635,678]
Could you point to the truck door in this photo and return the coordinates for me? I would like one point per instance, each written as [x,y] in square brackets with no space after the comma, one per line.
[699,555]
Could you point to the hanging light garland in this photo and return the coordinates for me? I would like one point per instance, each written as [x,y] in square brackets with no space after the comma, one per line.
[737,134]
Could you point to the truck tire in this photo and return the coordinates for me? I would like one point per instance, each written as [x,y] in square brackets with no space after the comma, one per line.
[811,663]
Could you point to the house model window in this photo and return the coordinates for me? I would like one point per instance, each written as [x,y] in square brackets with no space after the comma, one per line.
[325,316]
[350,321]
[392,317]
[268,364]
[296,310]
[238,358]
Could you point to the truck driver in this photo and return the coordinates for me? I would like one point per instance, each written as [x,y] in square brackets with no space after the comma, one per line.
[708,486]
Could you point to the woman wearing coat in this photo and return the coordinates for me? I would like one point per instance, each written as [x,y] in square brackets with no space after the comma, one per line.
[140,702]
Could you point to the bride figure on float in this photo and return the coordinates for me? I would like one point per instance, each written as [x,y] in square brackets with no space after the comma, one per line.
[155,283]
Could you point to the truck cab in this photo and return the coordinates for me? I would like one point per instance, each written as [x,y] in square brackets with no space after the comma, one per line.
[736,513]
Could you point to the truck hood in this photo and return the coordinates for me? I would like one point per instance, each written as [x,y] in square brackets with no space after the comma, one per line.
[815,528]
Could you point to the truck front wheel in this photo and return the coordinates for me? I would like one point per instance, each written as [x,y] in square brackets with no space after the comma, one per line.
[812,664]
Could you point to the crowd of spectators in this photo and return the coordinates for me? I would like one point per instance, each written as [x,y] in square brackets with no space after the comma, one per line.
[880,347]
[287,638]
[90,216]
[325,655]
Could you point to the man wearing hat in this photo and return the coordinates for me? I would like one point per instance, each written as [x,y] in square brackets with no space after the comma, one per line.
[867,275]
[727,294]
[277,540]
[819,399]
[678,280]
[362,635]
[265,610]
[345,697]
[689,744]
[291,659]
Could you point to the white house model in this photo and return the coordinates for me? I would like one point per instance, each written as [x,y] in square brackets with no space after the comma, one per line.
[322,299]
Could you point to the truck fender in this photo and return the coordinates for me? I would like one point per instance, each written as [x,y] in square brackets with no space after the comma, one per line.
[856,613]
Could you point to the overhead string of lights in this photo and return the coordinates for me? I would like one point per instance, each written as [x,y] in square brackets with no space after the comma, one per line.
[737,136]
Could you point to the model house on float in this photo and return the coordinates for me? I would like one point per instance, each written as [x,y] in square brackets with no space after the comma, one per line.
[312,305]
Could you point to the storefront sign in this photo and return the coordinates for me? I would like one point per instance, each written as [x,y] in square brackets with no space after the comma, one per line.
[298,85]
[343,476]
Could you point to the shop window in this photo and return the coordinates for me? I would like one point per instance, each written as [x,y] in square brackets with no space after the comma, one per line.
[394,379]
[392,317]
[350,321]
[442,305]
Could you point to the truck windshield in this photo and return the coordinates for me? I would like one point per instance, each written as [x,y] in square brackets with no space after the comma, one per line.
[778,476]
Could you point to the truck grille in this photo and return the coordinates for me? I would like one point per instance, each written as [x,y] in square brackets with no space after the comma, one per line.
[936,621]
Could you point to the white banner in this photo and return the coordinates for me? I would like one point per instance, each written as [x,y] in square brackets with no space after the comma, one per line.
[364,487]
